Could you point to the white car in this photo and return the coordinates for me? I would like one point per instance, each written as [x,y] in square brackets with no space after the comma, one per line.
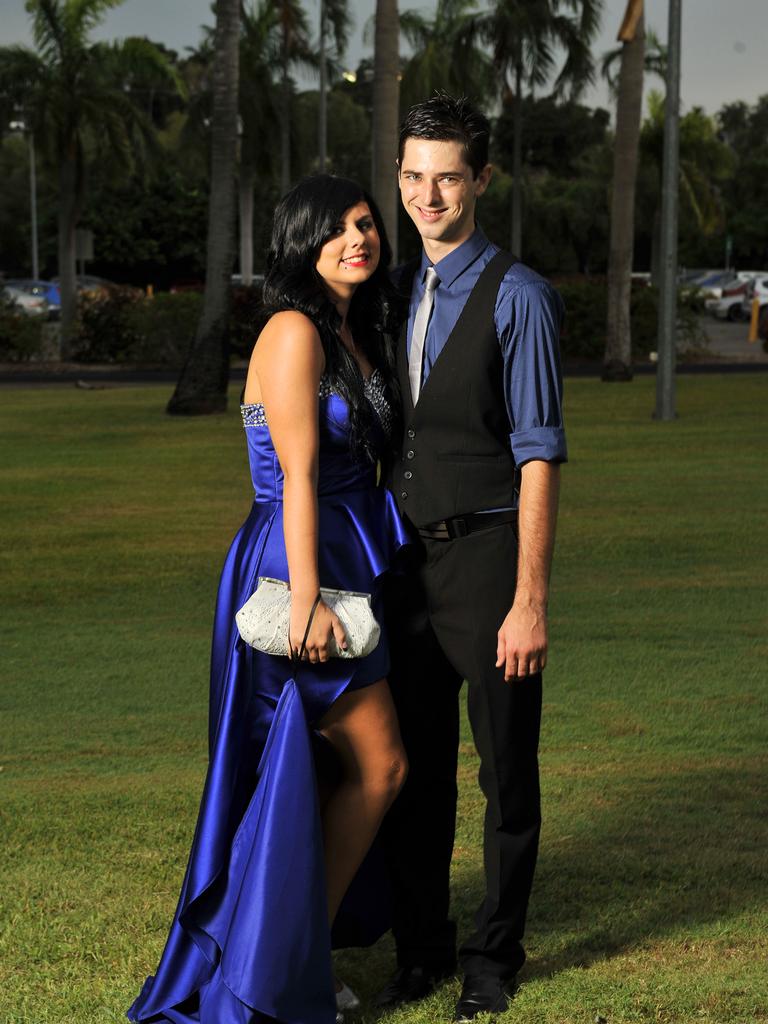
[709,283]
[728,305]
[757,288]
[30,305]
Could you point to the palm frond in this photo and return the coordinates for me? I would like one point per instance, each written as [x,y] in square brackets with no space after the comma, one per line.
[139,58]
[415,28]
[81,17]
[339,18]
[20,68]
[48,29]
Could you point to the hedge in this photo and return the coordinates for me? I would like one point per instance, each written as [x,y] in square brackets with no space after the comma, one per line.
[586,309]
[122,325]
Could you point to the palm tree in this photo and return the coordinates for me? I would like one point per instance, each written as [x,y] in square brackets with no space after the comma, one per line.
[654,58]
[259,105]
[446,54]
[386,92]
[334,15]
[524,36]
[629,107]
[295,49]
[202,386]
[75,96]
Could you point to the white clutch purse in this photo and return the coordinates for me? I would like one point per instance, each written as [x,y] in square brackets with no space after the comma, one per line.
[264,620]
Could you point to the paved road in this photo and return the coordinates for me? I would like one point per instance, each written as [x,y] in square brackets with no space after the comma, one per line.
[728,342]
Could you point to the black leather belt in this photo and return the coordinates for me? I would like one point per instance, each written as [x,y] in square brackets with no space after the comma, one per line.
[461,526]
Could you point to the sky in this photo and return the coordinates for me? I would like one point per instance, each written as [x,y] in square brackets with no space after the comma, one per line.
[723,55]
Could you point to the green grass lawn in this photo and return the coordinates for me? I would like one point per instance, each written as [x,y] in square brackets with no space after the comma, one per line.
[650,895]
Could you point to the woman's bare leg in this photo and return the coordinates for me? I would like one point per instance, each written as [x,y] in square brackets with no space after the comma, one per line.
[362,727]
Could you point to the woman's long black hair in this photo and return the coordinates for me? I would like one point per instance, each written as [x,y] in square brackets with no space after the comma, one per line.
[304,221]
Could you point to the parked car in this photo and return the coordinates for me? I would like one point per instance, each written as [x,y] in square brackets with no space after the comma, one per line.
[29,305]
[88,284]
[731,304]
[749,275]
[757,288]
[47,289]
[728,305]
[711,285]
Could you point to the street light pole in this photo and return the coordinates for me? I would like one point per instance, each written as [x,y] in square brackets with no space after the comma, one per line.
[21,126]
[667,341]
[33,206]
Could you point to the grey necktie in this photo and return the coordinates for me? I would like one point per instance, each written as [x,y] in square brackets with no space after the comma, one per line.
[420,322]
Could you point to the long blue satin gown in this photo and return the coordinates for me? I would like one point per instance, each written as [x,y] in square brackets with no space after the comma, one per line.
[250,940]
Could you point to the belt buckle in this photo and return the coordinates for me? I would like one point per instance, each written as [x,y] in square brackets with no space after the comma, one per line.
[457,527]
[436,531]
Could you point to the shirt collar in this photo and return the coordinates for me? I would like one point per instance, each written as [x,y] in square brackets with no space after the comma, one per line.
[450,267]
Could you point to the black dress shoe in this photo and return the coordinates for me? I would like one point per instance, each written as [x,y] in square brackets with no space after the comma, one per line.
[409,984]
[484,995]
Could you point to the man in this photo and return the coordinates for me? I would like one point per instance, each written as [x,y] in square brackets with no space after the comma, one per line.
[478,480]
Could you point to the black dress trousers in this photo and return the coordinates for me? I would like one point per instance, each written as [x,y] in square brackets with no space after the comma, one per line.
[443,617]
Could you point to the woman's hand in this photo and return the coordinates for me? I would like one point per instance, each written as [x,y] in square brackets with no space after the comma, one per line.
[324,626]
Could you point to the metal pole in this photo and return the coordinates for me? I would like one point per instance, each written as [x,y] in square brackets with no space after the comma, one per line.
[33,206]
[323,125]
[665,374]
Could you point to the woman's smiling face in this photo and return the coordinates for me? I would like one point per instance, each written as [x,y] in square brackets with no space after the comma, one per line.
[351,254]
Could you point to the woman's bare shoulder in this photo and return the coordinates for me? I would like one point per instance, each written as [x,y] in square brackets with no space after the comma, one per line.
[289,324]
[288,344]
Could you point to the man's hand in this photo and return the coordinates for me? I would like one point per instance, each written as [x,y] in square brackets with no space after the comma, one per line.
[522,640]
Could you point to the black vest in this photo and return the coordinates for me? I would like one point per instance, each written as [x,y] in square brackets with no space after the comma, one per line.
[456,454]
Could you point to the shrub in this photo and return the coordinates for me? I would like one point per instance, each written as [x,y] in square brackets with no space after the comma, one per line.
[165,327]
[121,325]
[586,305]
[246,319]
[583,334]
[21,335]
[105,330]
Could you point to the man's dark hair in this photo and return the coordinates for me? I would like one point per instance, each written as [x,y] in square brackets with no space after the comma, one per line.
[446,119]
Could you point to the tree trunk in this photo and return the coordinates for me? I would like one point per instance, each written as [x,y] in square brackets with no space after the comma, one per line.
[517,166]
[67,223]
[285,123]
[247,181]
[322,127]
[386,101]
[202,387]
[617,363]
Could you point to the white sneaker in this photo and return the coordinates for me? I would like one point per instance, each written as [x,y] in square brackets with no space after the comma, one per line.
[346,1000]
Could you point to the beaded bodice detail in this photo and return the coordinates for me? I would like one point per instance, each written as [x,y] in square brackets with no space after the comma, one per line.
[339,470]
[254,414]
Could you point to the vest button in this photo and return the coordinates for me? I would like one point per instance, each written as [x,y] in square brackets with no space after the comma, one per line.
[411,434]
[407,474]
[410,454]
[404,494]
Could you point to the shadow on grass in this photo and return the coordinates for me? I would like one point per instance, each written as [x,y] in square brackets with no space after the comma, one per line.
[650,857]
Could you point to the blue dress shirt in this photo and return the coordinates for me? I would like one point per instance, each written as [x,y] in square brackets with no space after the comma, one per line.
[528,316]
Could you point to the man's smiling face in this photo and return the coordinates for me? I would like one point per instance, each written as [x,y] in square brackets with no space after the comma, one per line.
[439,191]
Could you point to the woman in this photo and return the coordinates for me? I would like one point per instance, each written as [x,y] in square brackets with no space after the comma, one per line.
[269,865]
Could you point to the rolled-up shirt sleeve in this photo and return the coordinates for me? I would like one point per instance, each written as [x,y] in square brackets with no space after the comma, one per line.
[528,320]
